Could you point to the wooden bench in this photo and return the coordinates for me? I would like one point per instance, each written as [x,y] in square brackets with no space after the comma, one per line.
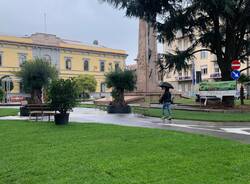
[40,110]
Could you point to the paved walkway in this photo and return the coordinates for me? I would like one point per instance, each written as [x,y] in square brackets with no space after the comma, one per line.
[234,131]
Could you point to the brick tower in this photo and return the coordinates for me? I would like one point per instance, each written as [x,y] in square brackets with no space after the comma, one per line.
[147,70]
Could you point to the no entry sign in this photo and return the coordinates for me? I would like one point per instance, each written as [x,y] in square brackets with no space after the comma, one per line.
[235,65]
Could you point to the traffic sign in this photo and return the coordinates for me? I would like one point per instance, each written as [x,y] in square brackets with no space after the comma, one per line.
[235,74]
[235,65]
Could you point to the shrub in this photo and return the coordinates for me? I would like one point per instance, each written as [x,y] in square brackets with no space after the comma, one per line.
[63,94]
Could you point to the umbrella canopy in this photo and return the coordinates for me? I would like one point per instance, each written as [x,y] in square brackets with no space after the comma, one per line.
[166,85]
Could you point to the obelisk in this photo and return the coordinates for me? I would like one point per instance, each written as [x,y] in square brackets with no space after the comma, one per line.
[147,69]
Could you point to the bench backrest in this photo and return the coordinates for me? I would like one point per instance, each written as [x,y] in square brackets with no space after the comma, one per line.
[39,107]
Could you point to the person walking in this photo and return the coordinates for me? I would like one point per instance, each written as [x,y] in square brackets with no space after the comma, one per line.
[166,100]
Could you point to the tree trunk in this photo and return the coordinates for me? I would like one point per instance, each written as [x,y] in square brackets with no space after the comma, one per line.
[36,96]
[118,95]
[242,95]
[225,67]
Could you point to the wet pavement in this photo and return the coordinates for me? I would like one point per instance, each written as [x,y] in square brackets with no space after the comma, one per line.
[230,130]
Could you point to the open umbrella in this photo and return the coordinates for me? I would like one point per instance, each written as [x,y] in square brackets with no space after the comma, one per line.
[166,85]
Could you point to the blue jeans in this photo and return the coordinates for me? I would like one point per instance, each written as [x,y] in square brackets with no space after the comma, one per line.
[166,109]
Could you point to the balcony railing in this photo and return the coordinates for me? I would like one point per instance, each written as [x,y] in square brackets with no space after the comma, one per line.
[185,78]
[215,75]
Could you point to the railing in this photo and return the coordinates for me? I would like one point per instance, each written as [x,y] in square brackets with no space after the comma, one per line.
[215,75]
[185,78]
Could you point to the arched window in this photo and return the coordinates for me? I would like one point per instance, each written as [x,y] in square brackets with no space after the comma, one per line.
[102,66]
[117,67]
[68,63]
[86,65]
[22,58]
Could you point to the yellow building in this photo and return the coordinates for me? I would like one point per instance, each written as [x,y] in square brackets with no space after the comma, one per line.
[71,58]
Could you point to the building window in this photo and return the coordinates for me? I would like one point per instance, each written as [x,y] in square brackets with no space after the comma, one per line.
[204,54]
[103,87]
[22,59]
[102,66]
[204,70]
[68,64]
[110,67]
[47,58]
[1,59]
[21,87]
[117,67]
[86,65]
[216,68]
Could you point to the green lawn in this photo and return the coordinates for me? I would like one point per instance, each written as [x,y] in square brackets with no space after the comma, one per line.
[104,154]
[194,115]
[247,102]
[8,112]
[191,101]
[185,101]
[87,105]
[202,116]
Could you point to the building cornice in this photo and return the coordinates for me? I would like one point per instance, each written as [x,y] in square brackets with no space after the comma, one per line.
[62,48]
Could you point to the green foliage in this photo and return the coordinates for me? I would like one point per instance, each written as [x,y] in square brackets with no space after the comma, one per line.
[121,80]
[221,27]
[86,84]
[36,74]
[1,95]
[244,78]
[8,112]
[63,94]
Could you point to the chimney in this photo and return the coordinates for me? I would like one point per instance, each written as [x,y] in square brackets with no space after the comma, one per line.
[95,42]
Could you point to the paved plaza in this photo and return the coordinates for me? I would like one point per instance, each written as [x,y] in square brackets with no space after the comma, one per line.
[230,130]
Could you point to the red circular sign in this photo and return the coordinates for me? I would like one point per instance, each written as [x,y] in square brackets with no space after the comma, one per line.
[235,65]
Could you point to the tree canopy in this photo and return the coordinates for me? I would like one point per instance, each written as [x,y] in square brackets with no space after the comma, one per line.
[120,81]
[35,75]
[221,27]
[86,83]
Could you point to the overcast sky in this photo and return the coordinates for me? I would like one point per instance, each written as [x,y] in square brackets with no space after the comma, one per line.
[82,20]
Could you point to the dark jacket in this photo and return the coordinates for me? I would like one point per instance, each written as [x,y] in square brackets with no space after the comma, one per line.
[166,98]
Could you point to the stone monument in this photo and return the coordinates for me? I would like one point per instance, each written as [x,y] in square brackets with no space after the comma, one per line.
[147,69]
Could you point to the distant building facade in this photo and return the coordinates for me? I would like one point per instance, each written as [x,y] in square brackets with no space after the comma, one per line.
[204,67]
[71,58]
